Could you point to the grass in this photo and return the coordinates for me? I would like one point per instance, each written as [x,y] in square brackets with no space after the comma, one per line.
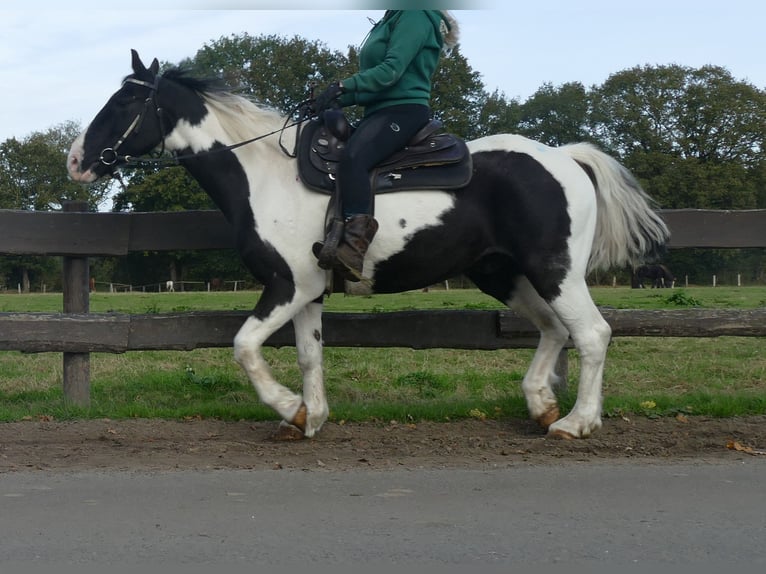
[646,376]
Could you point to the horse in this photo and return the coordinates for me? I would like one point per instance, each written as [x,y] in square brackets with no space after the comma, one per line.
[526,229]
[658,275]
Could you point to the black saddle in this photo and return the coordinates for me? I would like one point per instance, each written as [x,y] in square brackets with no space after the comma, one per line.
[432,160]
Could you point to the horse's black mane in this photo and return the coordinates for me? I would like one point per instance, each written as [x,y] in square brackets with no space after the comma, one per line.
[185,76]
[210,85]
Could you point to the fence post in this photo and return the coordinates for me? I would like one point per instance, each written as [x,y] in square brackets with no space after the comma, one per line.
[76,284]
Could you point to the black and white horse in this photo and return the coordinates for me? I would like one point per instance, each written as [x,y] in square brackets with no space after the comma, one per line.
[526,230]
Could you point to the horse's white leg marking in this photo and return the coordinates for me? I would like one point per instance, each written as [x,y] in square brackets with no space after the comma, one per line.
[541,376]
[591,334]
[308,343]
[247,352]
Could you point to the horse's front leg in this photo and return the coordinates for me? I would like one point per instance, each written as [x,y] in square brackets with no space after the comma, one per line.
[272,311]
[308,344]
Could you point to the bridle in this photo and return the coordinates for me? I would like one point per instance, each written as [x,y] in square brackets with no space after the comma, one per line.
[109,156]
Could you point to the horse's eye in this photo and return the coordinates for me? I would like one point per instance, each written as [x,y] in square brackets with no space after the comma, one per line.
[126,99]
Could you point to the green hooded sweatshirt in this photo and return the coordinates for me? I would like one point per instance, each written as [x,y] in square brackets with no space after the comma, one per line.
[397,61]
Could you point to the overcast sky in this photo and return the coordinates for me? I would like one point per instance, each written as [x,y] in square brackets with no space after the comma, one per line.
[62,64]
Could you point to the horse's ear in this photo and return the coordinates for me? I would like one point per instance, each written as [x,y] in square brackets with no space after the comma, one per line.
[154,67]
[138,65]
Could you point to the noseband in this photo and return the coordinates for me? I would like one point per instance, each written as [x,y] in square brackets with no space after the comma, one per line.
[109,155]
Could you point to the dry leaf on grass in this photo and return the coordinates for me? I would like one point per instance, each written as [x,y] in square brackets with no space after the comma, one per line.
[734,445]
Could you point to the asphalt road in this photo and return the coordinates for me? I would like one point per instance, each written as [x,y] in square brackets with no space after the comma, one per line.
[574,514]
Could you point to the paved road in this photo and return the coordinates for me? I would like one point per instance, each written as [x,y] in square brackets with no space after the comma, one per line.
[577,514]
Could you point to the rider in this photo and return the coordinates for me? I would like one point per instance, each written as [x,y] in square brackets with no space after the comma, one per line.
[396,65]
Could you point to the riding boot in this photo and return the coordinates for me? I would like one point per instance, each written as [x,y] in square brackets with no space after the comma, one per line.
[357,235]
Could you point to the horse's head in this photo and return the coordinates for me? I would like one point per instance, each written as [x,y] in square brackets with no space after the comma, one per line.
[130,124]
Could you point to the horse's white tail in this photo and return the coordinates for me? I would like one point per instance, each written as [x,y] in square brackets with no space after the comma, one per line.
[628,229]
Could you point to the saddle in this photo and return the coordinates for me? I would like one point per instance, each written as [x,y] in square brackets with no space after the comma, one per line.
[432,160]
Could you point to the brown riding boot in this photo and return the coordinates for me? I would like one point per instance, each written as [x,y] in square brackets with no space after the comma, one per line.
[357,235]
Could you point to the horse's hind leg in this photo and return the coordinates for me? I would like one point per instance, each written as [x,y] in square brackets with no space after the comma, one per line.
[541,378]
[591,334]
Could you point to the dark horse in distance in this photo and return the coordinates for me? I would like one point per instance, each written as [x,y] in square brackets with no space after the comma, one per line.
[656,276]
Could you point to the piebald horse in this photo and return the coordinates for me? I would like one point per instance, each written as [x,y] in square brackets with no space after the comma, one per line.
[533,221]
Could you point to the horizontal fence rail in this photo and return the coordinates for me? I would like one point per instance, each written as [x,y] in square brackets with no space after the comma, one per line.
[438,329]
[76,235]
[115,234]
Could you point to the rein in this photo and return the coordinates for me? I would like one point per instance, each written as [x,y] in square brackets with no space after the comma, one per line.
[110,157]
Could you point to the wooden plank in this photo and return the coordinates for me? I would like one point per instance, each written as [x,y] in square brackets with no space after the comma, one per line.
[45,332]
[179,231]
[716,229]
[115,333]
[111,234]
[449,329]
[409,329]
[57,332]
[687,322]
[59,233]
[185,331]
[115,234]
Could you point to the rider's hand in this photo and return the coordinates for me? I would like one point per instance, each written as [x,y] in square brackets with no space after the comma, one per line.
[327,97]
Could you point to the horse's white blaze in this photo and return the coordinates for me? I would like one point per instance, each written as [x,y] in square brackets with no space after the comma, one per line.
[74,162]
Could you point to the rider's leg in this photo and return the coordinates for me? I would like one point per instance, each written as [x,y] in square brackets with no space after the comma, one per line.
[377,137]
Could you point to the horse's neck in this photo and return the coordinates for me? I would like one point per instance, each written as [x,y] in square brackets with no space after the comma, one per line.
[258,173]
[228,120]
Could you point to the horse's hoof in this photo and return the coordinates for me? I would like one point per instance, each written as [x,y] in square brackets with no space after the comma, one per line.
[546,419]
[285,432]
[561,434]
[299,420]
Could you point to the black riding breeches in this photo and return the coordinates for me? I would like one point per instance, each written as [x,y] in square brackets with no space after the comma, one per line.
[377,136]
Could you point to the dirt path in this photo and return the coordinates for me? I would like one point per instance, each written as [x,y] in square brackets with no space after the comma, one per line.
[201,444]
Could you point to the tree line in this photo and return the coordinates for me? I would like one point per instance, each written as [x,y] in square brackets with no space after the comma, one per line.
[694,137]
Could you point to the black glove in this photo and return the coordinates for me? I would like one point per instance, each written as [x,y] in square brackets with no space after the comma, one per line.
[327,97]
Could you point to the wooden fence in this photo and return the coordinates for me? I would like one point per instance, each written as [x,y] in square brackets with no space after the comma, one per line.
[76,235]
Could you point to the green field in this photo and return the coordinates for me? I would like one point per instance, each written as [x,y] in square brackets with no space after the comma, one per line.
[650,376]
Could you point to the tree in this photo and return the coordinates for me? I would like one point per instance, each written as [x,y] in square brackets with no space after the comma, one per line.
[695,137]
[162,189]
[271,69]
[556,116]
[497,115]
[457,95]
[33,172]
[33,176]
